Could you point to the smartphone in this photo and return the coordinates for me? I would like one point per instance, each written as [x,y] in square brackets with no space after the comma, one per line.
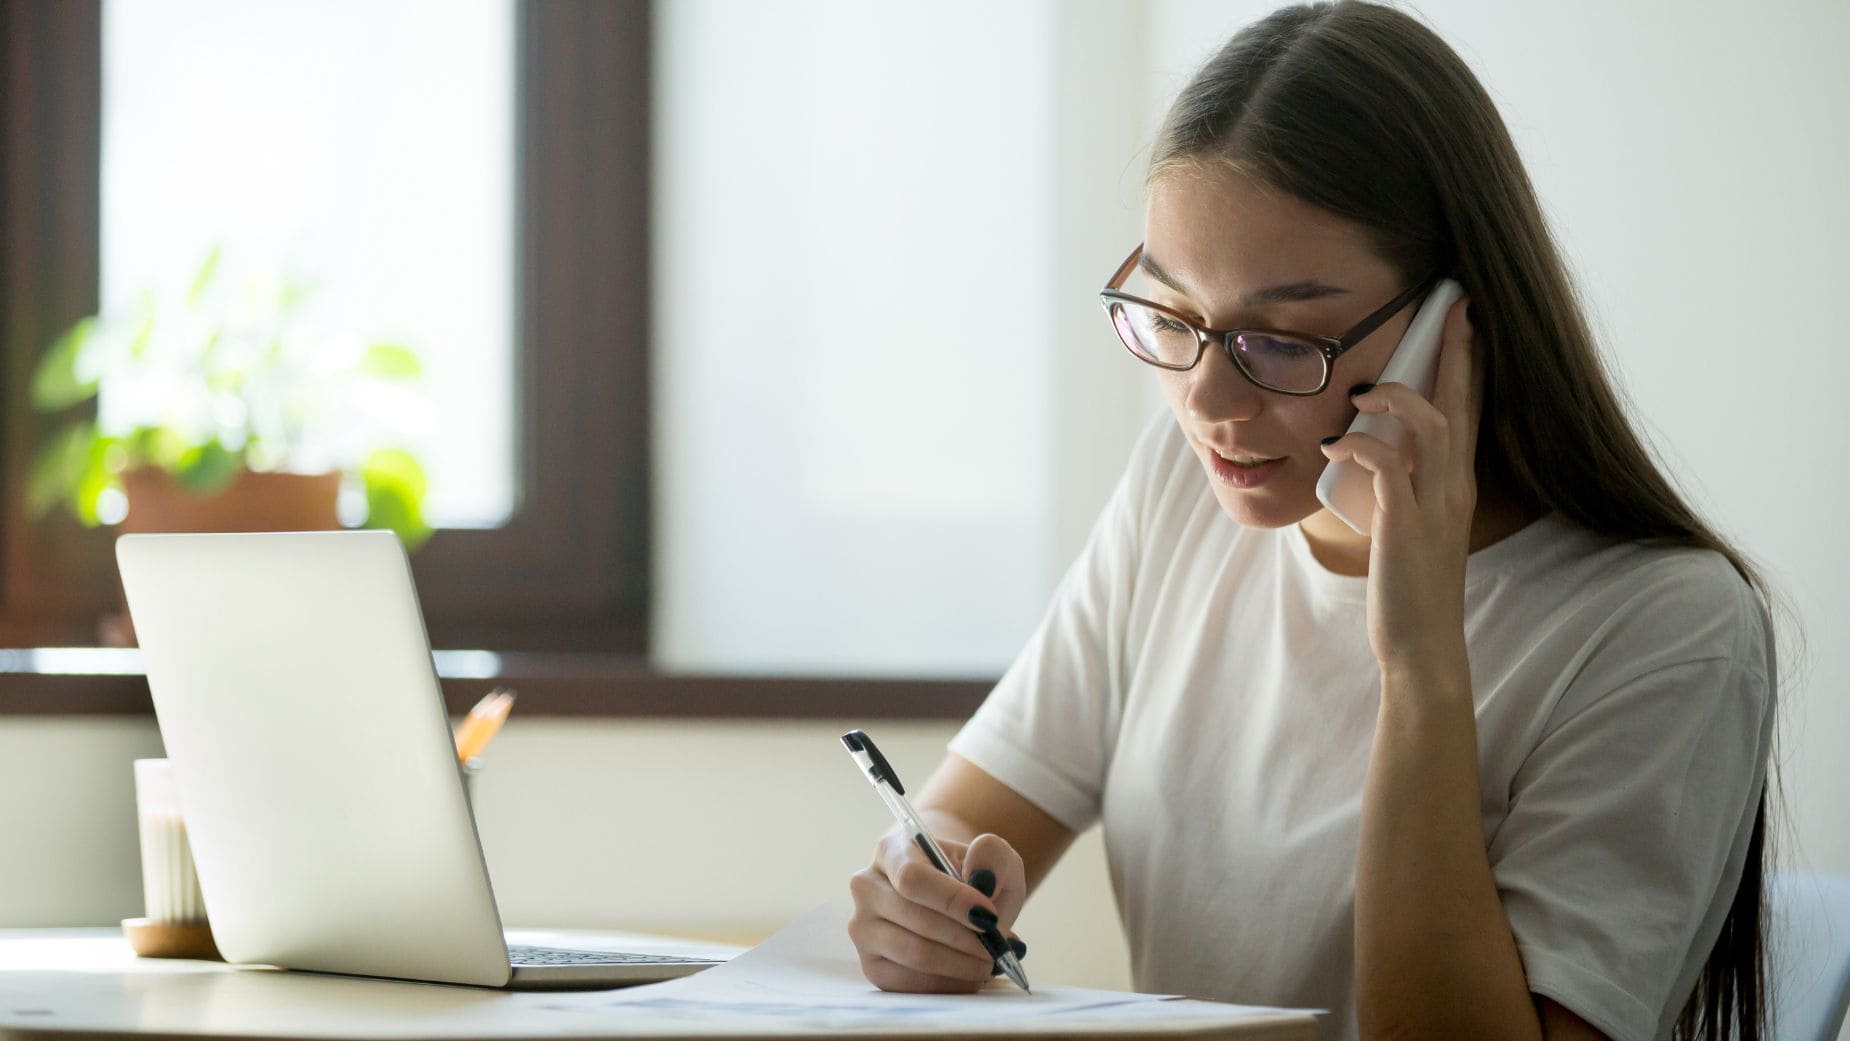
[1345,487]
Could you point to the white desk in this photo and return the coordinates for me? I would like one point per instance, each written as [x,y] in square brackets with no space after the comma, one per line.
[56,983]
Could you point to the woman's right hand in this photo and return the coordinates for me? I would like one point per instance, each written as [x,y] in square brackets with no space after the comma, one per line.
[913,924]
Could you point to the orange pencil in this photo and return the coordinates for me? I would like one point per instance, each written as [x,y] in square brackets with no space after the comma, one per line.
[465,731]
[482,723]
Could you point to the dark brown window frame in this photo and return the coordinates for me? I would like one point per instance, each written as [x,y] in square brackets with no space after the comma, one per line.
[565,585]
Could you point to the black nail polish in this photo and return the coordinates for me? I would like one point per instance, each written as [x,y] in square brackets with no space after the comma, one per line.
[1361,388]
[983,881]
[982,918]
[1020,947]
[1332,439]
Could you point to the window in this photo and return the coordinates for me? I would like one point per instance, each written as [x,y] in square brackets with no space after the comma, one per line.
[387,186]
[569,568]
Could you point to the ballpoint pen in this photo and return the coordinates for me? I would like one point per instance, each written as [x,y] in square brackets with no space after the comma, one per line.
[886,782]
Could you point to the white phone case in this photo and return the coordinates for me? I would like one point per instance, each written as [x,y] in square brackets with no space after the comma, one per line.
[1348,489]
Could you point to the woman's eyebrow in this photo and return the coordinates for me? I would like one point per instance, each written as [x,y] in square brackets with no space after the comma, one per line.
[1290,292]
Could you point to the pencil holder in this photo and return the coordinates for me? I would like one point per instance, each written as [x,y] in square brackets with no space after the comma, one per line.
[175,923]
[471,767]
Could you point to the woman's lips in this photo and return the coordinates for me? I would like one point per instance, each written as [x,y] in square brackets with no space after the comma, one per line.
[1241,475]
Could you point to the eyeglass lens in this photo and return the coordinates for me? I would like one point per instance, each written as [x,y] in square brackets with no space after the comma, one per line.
[1280,362]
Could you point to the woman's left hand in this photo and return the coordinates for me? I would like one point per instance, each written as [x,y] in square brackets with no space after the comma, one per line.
[1425,498]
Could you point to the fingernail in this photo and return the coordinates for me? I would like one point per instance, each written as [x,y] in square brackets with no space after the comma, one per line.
[1020,947]
[982,918]
[1361,388]
[983,881]
[1332,439]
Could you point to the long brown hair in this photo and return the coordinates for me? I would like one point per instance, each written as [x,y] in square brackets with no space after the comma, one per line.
[1363,111]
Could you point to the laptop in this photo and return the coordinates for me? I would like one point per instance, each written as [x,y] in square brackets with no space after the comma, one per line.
[295,691]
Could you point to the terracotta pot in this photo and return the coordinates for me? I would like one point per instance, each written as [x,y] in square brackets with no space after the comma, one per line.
[251,502]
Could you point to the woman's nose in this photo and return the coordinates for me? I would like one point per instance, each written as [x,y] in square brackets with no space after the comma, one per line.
[1219,392]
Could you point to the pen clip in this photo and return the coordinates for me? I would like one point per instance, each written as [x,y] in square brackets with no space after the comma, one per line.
[880,769]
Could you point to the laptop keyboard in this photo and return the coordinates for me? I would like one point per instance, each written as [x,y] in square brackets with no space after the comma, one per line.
[523,954]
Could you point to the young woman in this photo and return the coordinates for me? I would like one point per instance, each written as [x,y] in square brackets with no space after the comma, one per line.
[1493,770]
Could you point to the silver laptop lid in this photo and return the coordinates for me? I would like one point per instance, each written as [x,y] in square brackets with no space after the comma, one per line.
[293,684]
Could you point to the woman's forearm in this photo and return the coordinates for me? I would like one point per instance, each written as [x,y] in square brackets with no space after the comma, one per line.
[1434,957]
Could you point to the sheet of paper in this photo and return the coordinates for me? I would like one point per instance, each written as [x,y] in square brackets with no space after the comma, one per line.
[807,977]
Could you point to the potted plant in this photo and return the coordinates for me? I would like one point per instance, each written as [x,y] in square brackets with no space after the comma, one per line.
[223,408]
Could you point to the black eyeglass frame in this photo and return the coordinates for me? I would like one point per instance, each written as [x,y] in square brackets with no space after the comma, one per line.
[1331,347]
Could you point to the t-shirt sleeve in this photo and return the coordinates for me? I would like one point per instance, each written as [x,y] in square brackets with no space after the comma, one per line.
[1634,810]
[1048,728]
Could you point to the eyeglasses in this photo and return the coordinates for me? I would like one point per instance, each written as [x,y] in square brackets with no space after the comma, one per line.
[1289,363]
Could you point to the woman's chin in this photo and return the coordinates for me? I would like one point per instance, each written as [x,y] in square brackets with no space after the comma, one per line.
[1265,507]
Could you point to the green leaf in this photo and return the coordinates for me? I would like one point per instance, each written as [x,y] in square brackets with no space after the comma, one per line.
[74,468]
[141,446]
[391,361]
[96,478]
[208,468]
[202,279]
[395,486]
[58,470]
[57,382]
[164,447]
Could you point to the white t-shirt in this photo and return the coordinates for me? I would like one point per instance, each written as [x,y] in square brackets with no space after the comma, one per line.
[1207,692]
